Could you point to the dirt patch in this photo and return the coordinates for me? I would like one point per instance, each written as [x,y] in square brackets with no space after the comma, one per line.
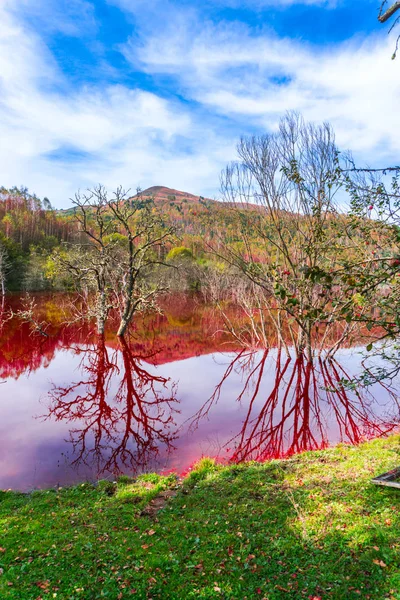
[158,503]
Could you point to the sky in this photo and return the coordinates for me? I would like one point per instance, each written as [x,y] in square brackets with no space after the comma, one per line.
[158,92]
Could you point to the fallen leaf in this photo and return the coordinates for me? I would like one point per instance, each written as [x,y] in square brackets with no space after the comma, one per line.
[43,585]
[380,563]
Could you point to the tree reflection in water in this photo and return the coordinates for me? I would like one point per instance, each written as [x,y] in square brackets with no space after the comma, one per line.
[121,413]
[124,413]
[305,404]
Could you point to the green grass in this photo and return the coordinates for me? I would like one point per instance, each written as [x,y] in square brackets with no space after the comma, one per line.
[309,527]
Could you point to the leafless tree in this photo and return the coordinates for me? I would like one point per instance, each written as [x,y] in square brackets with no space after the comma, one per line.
[295,241]
[145,234]
[89,261]
[121,243]
[28,314]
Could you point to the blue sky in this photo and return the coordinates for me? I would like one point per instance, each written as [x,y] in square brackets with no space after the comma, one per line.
[152,92]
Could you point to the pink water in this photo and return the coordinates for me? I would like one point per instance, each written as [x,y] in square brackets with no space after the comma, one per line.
[74,406]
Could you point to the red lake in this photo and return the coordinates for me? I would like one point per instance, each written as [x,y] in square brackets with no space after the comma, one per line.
[75,406]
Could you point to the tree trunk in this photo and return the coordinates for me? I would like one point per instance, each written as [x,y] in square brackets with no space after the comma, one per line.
[101,313]
[122,327]
[100,326]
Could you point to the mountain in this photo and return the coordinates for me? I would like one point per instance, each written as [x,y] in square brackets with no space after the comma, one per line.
[193,217]
[162,194]
[189,214]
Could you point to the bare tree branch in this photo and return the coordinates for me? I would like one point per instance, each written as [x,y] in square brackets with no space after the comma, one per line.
[385,16]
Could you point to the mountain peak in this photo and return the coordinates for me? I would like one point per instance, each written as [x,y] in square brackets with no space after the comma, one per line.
[163,193]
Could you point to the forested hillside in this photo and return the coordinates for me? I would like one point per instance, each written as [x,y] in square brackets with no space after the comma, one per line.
[31,229]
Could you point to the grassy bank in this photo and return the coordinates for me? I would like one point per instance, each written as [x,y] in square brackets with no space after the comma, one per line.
[309,527]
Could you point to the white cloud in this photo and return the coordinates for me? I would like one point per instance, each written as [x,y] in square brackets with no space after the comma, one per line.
[134,137]
[128,136]
[256,78]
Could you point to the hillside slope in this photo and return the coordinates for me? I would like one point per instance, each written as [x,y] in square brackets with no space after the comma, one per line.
[161,193]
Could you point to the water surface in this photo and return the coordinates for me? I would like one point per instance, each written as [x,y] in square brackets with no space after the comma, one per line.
[76,406]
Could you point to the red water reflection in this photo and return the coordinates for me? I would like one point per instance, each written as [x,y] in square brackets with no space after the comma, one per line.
[121,428]
[305,406]
[185,328]
[176,388]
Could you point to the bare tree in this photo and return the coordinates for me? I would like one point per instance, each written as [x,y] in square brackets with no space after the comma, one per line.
[27,314]
[5,315]
[89,262]
[145,234]
[375,203]
[296,244]
[121,245]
